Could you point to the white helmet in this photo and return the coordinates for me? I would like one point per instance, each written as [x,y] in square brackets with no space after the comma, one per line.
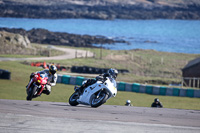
[128,101]
[113,73]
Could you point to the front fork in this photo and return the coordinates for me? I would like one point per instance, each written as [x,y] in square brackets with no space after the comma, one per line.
[42,87]
[29,85]
[102,90]
[99,93]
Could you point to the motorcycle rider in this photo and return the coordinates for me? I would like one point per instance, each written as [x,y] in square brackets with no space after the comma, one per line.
[156,103]
[128,103]
[52,78]
[112,73]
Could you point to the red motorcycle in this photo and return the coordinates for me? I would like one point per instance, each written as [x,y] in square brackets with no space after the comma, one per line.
[36,85]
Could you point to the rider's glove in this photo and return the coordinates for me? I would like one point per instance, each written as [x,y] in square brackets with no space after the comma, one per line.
[106,75]
[99,78]
[32,74]
[48,83]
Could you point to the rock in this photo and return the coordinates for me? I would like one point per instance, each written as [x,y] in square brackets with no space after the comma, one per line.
[13,43]
[43,36]
[15,39]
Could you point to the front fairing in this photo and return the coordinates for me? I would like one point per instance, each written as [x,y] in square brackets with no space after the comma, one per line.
[39,80]
[88,92]
[39,90]
[42,78]
[111,86]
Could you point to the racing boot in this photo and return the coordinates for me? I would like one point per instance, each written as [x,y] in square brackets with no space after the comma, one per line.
[47,92]
[79,90]
[47,89]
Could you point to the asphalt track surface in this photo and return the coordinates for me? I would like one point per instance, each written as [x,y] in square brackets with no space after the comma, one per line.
[20,116]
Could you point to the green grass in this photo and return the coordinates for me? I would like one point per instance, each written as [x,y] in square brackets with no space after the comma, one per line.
[15,89]
[145,66]
[40,48]
[145,100]
[18,56]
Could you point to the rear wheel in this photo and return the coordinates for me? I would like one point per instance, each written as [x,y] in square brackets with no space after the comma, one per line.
[97,101]
[31,93]
[73,99]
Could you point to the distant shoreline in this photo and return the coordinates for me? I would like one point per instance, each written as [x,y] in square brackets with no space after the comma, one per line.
[161,35]
[43,36]
[101,9]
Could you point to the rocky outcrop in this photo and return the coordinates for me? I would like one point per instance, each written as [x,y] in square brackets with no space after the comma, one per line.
[101,9]
[15,39]
[13,43]
[43,36]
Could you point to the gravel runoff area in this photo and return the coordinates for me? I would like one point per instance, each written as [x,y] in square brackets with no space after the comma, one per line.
[22,116]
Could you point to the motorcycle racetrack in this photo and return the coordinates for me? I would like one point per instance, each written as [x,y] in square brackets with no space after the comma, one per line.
[22,116]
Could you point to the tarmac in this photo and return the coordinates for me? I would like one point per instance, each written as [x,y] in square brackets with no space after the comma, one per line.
[22,116]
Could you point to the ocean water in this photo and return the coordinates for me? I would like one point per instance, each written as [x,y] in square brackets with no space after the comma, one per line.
[180,36]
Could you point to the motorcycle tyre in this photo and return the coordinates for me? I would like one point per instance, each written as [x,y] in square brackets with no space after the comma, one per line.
[73,101]
[103,100]
[31,93]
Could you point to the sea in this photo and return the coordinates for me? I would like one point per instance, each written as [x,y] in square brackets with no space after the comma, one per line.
[179,36]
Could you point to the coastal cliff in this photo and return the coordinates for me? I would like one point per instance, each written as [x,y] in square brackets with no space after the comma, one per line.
[101,9]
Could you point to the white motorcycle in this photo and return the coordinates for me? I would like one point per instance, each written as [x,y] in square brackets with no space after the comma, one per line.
[96,94]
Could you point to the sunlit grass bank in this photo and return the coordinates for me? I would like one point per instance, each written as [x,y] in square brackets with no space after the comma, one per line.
[15,89]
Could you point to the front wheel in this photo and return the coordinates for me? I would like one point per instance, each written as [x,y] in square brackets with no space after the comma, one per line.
[97,101]
[73,99]
[31,93]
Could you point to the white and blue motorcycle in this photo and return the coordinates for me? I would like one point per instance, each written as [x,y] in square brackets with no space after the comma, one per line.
[96,94]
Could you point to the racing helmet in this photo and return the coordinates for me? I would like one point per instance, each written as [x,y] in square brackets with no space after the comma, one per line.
[156,100]
[128,101]
[52,69]
[113,73]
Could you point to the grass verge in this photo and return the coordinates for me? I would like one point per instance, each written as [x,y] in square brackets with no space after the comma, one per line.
[43,50]
[15,89]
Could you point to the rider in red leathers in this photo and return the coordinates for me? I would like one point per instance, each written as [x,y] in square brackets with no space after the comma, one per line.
[52,78]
